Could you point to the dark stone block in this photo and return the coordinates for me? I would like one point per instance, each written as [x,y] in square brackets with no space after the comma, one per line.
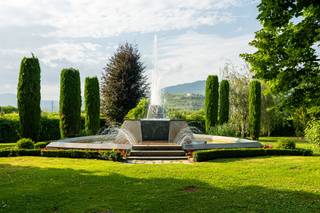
[155,130]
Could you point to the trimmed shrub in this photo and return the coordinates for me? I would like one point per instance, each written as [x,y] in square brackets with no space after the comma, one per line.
[28,96]
[70,103]
[224,102]
[312,132]
[223,130]
[92,105]
[12,152]
[211,101]
[25,143]
[206,155]
[140,111]
[9,127]
[288,144]
[254,109]
[40,145]
[49,128]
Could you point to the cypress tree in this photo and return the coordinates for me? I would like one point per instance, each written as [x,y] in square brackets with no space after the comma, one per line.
[28,97]
[254,109]
[224,102]
[211,101]
[70,102]
[92,105]
[123,83]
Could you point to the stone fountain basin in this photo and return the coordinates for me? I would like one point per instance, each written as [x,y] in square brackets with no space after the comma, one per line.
[96,142]
[202,142]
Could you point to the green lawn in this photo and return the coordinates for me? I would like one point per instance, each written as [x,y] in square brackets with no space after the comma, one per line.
[266,184]
[300,143]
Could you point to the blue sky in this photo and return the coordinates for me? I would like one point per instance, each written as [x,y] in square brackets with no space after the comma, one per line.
[195,37]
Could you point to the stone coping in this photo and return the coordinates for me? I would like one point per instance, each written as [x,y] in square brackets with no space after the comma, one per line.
[92,146]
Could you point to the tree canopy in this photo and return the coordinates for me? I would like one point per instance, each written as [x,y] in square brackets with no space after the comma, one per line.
[286,56]
[123,83]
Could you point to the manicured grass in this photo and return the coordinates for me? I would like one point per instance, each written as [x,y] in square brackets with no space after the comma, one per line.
[300,142]
[266,184]
[6,145]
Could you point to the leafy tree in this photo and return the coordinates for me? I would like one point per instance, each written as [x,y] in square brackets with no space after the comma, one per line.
[238,78]
[211,101]
[140,111]
[224,102]
[92,105]
[70,102]
[123,83]
[29,96]
[254,108]
[286,57]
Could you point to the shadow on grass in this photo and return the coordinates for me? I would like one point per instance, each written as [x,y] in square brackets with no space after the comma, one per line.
[32,189]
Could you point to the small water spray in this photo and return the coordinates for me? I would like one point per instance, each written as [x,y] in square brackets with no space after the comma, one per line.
[185,135]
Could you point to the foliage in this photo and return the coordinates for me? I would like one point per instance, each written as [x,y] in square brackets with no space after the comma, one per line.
[205,155]
[238,78]
[211,101]
[286,55]
[194,118]
[40,145]
[92,105]
[9,127]
[286,144]
[140,111]
[70,103]
[225,129]
[254,109]
[25,143]
[312,132]
[28,96]
[123,83]
[8,109]
[224,102]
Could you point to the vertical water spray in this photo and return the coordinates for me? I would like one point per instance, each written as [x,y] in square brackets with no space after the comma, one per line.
[155,108]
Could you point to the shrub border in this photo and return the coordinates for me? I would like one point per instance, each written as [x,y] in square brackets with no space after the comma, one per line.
[114,155]
[205,155]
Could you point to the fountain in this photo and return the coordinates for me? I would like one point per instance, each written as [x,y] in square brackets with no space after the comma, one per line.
[173,136]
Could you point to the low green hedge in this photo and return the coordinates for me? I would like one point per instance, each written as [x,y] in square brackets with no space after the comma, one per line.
[49,127]
[103,155]
[205,155]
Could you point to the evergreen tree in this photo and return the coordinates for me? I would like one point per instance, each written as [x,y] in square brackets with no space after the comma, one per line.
[254,109]
[70,103]
[224,102]
[29,96]
[211,101]
[123,83]
[92,105]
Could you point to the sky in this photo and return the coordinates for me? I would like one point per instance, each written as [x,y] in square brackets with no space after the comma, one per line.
[195,37]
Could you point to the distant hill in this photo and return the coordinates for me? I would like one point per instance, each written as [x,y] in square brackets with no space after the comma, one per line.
[197,87]
[8,99]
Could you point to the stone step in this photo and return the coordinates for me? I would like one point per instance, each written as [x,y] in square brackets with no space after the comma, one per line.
[157,158]
[157,153]
[157,147]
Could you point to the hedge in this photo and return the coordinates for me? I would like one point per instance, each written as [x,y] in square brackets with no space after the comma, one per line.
[92,105]
[254,109]
[49,127]
[28,97]
[211,101]
[205,155]
[70,103]
[103,155]
[224,102]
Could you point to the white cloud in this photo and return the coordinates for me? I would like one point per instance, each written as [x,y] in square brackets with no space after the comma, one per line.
[96,18]
[193,56]
[76,53]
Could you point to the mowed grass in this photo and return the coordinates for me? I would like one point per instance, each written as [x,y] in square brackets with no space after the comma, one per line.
[266,184]
[300,142]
